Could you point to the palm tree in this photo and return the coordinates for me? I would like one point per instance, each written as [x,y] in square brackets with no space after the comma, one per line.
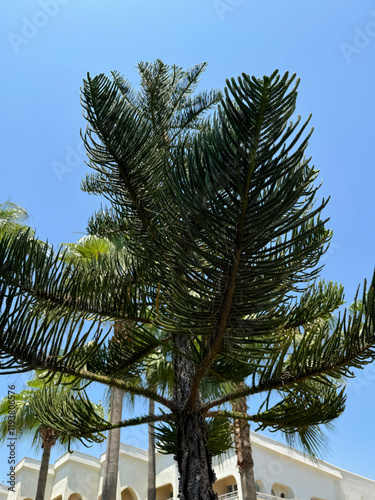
[221,232]
[28,426]
[113,446]
[245,462]
[86,249]
[151,476]
[12,218]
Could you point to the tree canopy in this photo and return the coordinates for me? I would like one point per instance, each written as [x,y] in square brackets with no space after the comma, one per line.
[222,237]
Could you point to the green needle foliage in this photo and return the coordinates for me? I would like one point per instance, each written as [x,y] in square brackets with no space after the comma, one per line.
[222,236]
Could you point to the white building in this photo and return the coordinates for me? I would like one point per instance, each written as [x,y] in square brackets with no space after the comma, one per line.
[279,472]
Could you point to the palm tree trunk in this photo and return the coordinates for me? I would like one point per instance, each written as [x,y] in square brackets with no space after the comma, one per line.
[244,452]
[49,438]
[113,447]
[196,475]
[151,489]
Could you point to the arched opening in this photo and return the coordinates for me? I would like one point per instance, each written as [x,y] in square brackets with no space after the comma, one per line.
[282,491]
[164,492]
[128,494]
[226,487]
[75,496]
[259,486]
[58,498]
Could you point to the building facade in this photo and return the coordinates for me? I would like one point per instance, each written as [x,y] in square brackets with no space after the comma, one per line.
[279,472]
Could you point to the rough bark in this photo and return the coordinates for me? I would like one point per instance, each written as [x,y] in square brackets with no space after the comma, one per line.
[196,475]
[113,447]
[151,488]
[49,437]
[244,452]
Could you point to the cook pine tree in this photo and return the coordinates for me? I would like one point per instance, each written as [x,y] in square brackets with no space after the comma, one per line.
[222,234]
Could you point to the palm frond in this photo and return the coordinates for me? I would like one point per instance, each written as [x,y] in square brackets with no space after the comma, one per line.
[12,218]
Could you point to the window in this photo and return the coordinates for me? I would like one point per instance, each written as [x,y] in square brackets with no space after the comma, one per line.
[282,491]
[231,488]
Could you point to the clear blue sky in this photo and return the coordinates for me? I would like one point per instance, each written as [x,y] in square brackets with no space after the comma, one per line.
[48,46]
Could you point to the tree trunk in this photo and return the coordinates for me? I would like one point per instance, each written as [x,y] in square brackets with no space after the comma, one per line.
[196,475]
[244,453]
[151,489]
[113,447]
[49,437]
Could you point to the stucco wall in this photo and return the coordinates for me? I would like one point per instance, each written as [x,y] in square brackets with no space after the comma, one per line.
[275,466]
[27,473]
[353,487]
[166,472]
[133,474]
[77,473]
[3,492]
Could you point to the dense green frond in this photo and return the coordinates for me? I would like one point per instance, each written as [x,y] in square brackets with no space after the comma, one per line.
[258,202]
[220,438]
[299,409]
[317,303]
[104,287]
[125,353]
[247,181]
[120,148]
[137,131]
[300,417]
[45,302]
[107,223]
[71,414]
[168,100]
[321,355]
[75,416]
[26,424]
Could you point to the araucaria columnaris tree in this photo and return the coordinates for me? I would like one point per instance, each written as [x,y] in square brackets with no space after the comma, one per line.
[221,231]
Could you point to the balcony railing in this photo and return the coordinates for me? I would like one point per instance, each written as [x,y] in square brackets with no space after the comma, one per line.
[265,496]
[232,496]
